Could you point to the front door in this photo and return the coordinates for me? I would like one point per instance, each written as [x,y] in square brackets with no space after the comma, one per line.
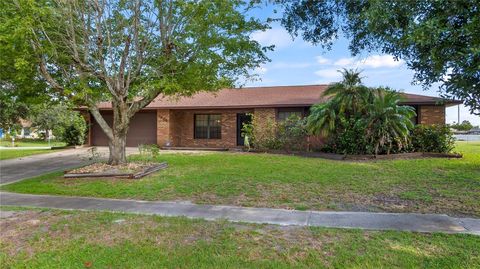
[241,119]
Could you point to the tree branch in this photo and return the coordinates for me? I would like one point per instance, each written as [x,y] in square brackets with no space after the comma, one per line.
[101,121]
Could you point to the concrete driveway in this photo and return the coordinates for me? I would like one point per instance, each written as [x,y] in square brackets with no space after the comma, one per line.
[17,169]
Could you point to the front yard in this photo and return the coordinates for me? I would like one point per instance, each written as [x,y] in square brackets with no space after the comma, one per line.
[434,185]
[75,239]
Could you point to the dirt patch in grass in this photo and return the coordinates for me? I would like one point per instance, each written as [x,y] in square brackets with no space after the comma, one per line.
[130,167]
[18,230]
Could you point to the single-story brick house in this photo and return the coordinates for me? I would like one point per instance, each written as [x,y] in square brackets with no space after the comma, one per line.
[214,120]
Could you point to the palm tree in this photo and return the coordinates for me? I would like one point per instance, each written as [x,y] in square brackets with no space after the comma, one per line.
[322,119]
[349,94]
[388,122]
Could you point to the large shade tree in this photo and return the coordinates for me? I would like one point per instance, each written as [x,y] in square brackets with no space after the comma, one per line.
[438,39]
[128,52]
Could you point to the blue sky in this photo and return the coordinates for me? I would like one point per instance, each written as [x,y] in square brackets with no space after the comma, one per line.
[295,62]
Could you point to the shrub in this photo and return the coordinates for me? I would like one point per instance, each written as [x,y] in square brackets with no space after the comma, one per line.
[350,138]
[75,130]
[288,135]
[292,134]
[149,150]
[432,138]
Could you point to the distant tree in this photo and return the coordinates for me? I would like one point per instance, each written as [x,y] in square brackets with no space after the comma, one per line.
[47,117]
[464,126]
[11,111]
[438,39]
[128,52]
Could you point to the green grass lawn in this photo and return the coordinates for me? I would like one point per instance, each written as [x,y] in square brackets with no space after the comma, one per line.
[75,239]
[14,153]
[31,143]
[434,185]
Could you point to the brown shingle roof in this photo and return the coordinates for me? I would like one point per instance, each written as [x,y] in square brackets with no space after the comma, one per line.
[276,96]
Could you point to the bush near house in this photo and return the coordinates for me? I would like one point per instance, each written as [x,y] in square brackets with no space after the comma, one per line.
[74,131]
[432,138]
[288,135]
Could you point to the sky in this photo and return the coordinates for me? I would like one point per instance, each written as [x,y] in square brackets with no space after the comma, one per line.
[295,62]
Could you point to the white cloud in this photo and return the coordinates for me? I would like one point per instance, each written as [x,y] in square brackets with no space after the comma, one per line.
[376,61]
[344,62]
[275,36]
[322,60]
[372,61]
[329,74]
[261,70]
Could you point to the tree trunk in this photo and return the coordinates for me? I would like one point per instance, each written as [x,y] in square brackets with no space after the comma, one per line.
[120,128]
[117,149]
[47,134]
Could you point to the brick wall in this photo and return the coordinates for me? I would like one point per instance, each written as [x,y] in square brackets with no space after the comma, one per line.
[164,129]
[182,128]
[431,114]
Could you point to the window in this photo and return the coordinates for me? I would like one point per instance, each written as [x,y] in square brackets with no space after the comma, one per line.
[207,126]
[283,115]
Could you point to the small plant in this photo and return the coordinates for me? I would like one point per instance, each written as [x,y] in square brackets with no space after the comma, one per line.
[154,150]
[95,156]
[149,150]
[142,148]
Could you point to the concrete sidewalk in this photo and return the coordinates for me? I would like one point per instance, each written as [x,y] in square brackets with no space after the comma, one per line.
[361,220]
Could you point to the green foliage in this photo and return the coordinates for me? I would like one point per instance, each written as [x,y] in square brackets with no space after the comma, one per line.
[84,50]
[11,111]
[48,117]
[438,39]
[387,122]
[432,138]
[464,126]
[151,150]
[287,135]
[292,134]
[360,120]
[75,130]
[349,94]
[67,125]
[349,138]
[129,52]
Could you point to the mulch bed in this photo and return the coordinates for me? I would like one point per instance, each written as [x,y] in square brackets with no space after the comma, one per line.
[346,157]
[129,170]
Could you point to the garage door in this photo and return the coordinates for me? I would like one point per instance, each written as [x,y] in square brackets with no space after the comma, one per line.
[143,129]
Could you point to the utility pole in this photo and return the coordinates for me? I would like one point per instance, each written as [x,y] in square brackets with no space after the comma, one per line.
[458,114]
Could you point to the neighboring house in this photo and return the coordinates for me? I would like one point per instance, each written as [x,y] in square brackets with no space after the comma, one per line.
[27,131]
[215,120]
